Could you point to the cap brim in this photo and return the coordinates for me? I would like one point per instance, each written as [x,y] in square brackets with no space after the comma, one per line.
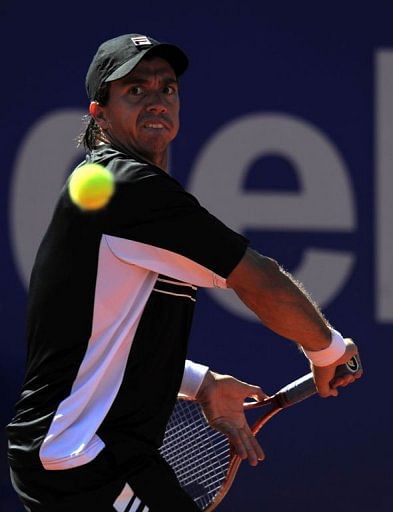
[174,55]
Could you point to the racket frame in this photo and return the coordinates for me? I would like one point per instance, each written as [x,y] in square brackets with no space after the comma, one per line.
[293,393]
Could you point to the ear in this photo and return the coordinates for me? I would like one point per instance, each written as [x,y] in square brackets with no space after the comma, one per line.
[98,112]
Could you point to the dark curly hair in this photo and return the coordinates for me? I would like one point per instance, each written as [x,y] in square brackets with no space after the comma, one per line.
[92,133]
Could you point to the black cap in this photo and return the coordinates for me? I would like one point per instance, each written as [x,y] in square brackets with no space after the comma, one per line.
[117,57]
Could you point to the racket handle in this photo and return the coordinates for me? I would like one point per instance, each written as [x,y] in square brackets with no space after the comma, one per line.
[304,387]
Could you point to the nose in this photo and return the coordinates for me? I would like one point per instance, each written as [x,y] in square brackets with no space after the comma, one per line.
[156,104]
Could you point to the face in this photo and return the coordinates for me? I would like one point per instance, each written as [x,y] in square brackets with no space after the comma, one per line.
[142,113]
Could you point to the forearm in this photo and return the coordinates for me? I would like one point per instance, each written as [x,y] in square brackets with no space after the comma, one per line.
[280,303]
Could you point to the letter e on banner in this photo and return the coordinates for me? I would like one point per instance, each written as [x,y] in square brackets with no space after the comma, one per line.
[324,202]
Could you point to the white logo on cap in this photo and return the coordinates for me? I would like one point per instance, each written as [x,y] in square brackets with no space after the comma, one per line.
[138,41]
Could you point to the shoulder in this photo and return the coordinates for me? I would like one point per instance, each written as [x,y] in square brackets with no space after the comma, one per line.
[134,175]
[125,167]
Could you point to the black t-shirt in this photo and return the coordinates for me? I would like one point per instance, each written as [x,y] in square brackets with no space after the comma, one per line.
[111,300]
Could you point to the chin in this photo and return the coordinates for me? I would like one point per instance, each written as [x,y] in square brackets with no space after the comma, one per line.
[158,145]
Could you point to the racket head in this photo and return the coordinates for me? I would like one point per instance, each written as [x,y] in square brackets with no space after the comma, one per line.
[202,458]
[199,455]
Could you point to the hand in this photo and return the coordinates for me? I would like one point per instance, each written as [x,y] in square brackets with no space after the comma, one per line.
[324,378]
[222,397]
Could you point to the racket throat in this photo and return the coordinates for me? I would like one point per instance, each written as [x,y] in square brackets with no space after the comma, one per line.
[262,421]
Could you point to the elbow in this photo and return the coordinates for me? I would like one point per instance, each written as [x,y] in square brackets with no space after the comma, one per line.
[268,269]
[255,273]
[269,266]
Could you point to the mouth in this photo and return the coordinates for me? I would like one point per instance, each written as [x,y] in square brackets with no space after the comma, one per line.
[157,123]
[154,126]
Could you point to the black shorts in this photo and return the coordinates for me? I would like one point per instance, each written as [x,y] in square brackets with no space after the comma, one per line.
[144,484]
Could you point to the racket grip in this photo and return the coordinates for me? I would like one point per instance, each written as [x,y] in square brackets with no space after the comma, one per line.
[304,387]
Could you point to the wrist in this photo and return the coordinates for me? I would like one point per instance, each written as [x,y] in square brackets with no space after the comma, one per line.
[329,355]
[207,384]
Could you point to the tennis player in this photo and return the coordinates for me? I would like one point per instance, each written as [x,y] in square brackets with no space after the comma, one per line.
[111,300]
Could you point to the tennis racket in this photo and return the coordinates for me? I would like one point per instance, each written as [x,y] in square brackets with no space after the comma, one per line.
[202,458]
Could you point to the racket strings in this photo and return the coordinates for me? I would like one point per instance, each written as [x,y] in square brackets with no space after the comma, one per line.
[190,446]
[198,455]
[199,440]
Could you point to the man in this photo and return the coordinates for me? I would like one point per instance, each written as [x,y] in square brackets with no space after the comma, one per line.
[110,306]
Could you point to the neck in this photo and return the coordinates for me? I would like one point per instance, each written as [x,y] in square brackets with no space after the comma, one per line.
[159,159]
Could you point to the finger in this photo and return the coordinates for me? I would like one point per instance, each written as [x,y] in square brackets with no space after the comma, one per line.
[252,446]
[325,390]
[257,448]
[343,381]
[256,392]
[241,442]
[234,437]
[324,377]
[249,445]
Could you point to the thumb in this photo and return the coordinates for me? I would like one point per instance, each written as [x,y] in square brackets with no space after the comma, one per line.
[255,392]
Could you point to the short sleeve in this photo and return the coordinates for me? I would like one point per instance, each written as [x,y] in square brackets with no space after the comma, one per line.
[155,217]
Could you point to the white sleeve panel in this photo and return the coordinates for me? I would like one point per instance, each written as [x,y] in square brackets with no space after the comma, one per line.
[193,376]
[164,262]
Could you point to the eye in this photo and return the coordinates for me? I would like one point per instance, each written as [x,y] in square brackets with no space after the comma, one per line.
[170,90]
[136,90]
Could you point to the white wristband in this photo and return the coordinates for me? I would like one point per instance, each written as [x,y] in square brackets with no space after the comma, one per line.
[328,355]
[193,376]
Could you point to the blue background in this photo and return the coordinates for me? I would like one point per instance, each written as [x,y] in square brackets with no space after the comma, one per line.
[315,62]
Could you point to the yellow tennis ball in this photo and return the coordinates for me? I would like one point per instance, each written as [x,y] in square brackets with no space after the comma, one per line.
[91,186]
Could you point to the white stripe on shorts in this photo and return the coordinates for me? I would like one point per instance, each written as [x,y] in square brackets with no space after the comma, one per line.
[123,499]
[135,505]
